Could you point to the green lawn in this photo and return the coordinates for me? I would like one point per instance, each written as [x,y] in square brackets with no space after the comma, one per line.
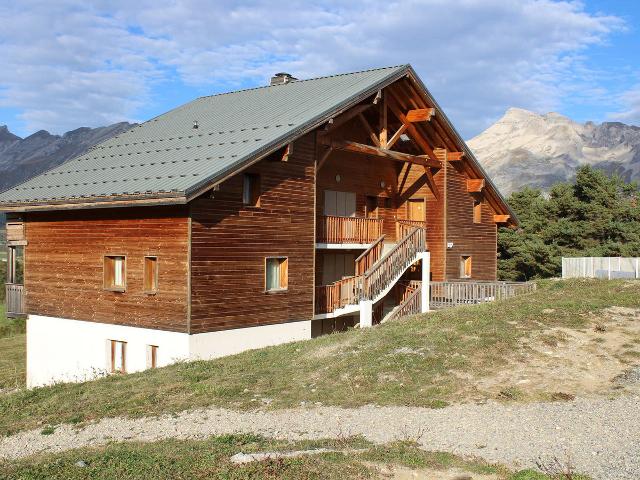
[204,459]
[420,361]
[12,352]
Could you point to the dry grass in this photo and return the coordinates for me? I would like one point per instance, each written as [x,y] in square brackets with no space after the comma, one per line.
[12,353]
[190,459]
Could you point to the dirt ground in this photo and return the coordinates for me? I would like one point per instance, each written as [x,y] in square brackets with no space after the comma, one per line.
[561,363]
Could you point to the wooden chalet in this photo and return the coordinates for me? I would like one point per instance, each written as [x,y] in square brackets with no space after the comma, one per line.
[247,219]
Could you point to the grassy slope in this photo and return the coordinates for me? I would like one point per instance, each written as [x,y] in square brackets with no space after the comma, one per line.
[173,459]
[348,369]
[12,352]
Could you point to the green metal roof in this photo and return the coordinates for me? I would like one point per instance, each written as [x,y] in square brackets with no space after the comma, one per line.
[167,157]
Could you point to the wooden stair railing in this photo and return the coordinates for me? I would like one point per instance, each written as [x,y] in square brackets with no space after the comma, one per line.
[370,256]
[334,229]
[338,294]
[411,305]
[396,261]
[404,227]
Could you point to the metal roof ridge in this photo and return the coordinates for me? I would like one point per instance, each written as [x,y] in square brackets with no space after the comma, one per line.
[249,89]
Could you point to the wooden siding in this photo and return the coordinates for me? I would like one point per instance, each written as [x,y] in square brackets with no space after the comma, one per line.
[476,239]
[64,265]
[230,241]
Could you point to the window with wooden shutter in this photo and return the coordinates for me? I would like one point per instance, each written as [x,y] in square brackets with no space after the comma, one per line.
[465,266]
[276,274]
[251,189]
[118,356]
[477,211]
[150,274]
[152,356]
[115,272]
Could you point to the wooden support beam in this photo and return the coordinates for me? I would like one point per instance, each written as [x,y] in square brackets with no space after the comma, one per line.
[431,183]
[356,147]
[454,156]
[475,185]
[501,218]
[420,114]
[411,129]
[288,151]
[396,136]
[323,158]
[345,117]
[383,121]
[372,134]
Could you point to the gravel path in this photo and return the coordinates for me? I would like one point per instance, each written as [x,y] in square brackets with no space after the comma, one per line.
[600,436]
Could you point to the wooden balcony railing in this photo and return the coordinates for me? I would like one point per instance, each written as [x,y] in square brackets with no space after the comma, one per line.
[332,229]
[411,304]
[15,301]
[338,294]
[451,294]
[370,256]
[393,263]
[403,227]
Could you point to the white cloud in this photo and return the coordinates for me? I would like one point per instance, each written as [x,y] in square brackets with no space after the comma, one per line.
[71,66]
[629,111]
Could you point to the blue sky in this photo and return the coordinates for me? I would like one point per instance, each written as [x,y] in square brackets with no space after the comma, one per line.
[66,64]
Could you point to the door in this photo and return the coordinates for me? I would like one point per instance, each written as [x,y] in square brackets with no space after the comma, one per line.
[336,266]
[340,204]
[416,209]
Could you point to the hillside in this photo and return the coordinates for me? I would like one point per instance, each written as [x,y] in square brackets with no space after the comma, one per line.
[464,354]
[526,149]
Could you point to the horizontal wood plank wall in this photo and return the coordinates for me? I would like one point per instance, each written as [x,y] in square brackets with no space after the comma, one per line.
[64,265]
[229,243]
[412,183]
[362,175]
[477,240]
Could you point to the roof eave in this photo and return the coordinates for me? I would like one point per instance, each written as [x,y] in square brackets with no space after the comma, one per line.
[95,202]
[513,218]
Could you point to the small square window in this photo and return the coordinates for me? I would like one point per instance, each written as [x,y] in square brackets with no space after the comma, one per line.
[251,189]
[115,273]
[477,211]
[152,356]
[465,266]
[118,355]
[150,274]
[277,274]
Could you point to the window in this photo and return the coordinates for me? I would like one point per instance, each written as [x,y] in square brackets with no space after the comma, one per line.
[277,273]
[465,266]
[152,356]
[150,274]
[115,273]
[251,190]
[15,265]
[118,355]
[477,211]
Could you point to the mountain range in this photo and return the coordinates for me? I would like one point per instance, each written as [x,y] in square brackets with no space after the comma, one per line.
[23,158]
[525,148]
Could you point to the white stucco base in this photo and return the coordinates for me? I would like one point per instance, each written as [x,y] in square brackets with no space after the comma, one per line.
[64,350]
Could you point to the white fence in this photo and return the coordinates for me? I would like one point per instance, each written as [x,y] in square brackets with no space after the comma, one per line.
[601,267]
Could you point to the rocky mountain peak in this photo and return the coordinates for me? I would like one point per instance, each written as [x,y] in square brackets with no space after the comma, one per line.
[527,148]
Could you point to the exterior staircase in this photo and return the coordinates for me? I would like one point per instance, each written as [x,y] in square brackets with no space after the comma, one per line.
[376,274]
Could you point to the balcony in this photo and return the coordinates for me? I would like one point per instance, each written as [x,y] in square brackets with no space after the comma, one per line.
[349,230]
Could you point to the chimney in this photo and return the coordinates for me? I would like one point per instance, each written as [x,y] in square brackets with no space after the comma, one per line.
[282,78]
